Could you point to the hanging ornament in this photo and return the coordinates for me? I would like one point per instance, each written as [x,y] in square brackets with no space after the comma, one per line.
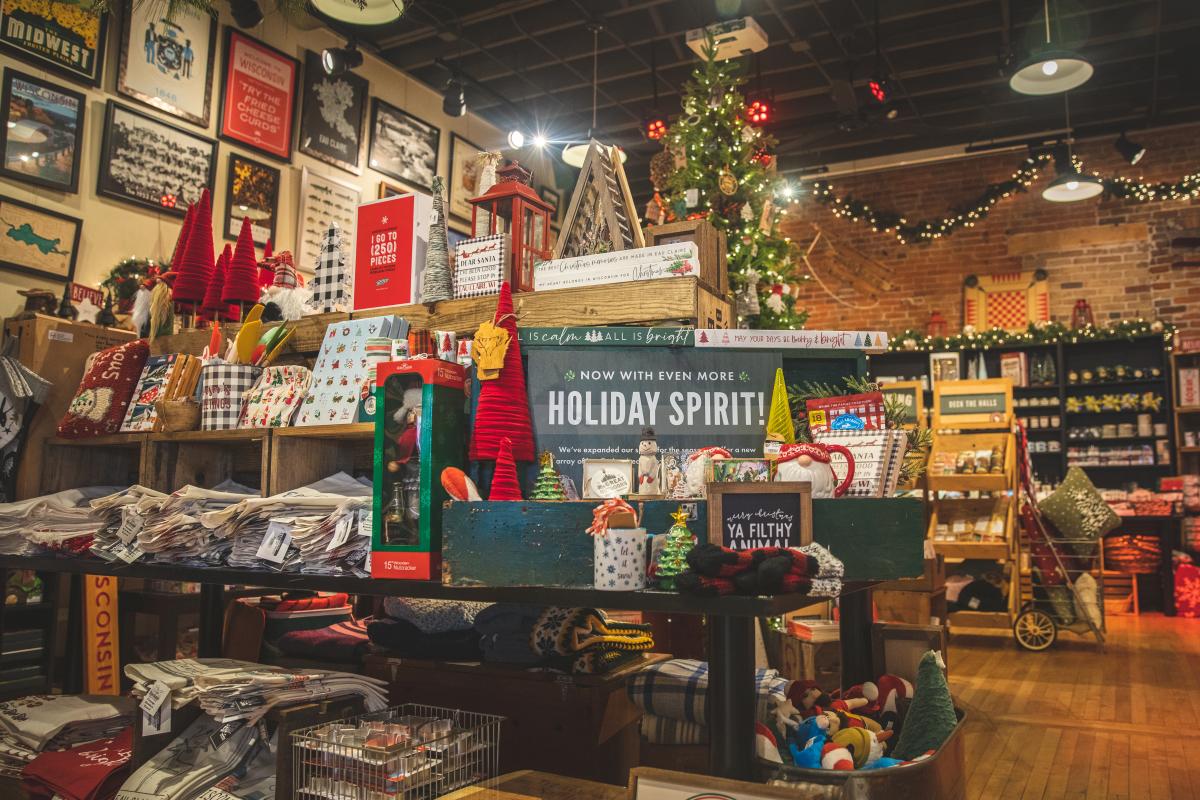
[679,153]
[726,182]
[715,97]
[662,164]
[656,212]
[767,219]
[754,250]
[747,212]
[750,133]
[488,349]
[746,300]
[775,299]
[689,106]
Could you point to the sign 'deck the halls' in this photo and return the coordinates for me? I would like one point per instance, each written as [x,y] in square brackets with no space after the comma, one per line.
[390,238]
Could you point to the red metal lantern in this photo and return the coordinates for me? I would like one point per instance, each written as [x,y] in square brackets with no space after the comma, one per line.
[511,206]
[1081,314]
[936,325]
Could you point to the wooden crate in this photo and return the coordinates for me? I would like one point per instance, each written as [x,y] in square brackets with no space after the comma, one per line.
[710,243]
[55,349]
[814,661]
[206,458]
[74,463]
[310,331]
[933,579]
[299,456]
[913,608]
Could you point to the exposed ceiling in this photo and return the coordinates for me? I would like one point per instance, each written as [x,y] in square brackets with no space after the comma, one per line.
[529,64]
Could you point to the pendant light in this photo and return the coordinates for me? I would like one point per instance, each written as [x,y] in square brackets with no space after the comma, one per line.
[1070,185]
[361,12]
[575,153]
[1050,70]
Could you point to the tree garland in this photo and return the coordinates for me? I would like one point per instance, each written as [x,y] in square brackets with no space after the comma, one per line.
[927,230]
[913,340]
[129,275]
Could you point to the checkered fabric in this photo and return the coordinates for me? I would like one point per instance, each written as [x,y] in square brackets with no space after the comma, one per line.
[223,389]
[660,730]
[676,690]
[330,287]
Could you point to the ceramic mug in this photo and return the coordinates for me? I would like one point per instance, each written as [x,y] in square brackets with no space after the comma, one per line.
[620,560]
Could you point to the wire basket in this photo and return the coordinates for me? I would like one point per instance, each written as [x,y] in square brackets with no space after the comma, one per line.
[410,752]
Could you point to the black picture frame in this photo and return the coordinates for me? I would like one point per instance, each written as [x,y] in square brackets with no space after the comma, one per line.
[552,197]
[33,238]
[314,128]
[153,101]
[231,197]
[168,157]
[457,207]
[432,140]
[222,133]
[71,185]
[90,75]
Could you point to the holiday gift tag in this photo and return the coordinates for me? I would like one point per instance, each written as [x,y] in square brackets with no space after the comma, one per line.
[131,524]
[275,543]
[156,695]
[158,721]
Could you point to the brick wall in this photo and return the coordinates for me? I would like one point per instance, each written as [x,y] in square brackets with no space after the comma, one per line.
[1126,279]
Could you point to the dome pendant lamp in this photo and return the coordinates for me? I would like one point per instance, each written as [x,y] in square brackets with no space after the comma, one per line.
[575,153]
[1050,70]
[1070,185]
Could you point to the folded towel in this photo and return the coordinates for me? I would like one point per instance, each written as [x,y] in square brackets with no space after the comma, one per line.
[434,616]
[342,641]
[405,639]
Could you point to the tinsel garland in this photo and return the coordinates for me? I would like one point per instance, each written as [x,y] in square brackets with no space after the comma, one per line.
[927,230]
[916,341]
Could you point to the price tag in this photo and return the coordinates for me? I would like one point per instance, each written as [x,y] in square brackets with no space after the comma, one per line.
[156,695]
[215,793]
[274,545]
[131,524]
[341,533]
[128,553]
[364,522]
[157,722]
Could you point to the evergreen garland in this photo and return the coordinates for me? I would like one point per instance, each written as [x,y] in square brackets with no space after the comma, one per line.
[131,274]
[913,340]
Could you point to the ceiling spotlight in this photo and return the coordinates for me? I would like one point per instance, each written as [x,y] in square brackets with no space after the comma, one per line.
[880,91]
[759,112]
[340,60]
[655,127]
[454,99]
[539,141]
[246,13]
[1130,151]
[516,140]
[1050,70]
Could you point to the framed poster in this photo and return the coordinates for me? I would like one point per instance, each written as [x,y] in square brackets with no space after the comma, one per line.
[258,95]
[332,109]
[745,516]
[252,190]
[324,199]
[62,36]
[42,132]
[387,190]
[464,176]
[168,63]
[944,367]
[402,146]
[36,241]
[150,163]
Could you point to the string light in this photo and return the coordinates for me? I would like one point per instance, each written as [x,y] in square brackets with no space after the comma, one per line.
[913,340]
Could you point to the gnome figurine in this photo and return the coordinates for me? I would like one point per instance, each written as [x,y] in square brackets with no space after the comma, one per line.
[649,469]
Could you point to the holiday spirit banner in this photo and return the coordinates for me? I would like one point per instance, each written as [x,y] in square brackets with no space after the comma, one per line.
[594,402]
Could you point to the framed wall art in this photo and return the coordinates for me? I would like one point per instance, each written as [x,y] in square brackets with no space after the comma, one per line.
[324,199]
[332,110]
[168,63]
[402,146]
[36,241]
[464,177]
[42,132]
[252,190]
[151,163]
[388,189]
[62,36]
[258,95]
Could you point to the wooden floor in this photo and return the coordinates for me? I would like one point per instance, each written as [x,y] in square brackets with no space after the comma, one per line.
[1076,721]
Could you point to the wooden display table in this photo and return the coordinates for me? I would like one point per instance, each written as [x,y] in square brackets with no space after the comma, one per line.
[530,785]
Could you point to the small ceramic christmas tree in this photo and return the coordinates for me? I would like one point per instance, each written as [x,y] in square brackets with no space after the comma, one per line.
[435,280]
[549,483]
[931,718]
[673,558]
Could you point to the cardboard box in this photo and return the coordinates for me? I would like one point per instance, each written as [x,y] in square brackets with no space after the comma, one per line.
[405,544]
[390,237]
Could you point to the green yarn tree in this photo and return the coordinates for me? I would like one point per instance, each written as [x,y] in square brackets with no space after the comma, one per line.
[549,483]
[673,558]
[931,718]
[436,280]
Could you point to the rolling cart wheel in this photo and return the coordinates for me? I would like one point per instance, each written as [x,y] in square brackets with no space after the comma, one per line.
[1035,630]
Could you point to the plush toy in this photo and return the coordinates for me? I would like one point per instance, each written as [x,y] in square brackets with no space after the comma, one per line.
[892,689]
[834,756]
[696,470]
[807,742]
[931,718]
[765,744]
[458,485]
[864,745]
[787,716]
[649,470]
[808,697]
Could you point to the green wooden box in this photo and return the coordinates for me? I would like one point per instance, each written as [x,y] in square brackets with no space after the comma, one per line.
[545,544]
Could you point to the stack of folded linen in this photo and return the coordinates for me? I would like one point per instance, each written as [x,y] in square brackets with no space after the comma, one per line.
[322,519]
[439,630]
[672,695]
[504,630]
[586,641]
[91,771]
[38,723]
[123,514]
[62,522]
[172,532]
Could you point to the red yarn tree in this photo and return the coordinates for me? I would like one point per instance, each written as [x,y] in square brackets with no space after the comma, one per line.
[504,481]
[188,220]
[213,308]
[503,409]
[192,274]
[241,281]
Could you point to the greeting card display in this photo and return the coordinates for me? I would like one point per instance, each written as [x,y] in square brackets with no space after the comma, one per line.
[335,396]
[389,244]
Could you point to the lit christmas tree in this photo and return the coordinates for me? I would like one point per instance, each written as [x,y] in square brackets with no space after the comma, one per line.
[721,166]
[549,483]
[673,558]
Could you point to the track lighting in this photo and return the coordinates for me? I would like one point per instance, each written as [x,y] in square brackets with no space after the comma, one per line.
[516,140]
[454,99]
[340,60]
[539,141]
[246,13]
[1130,151]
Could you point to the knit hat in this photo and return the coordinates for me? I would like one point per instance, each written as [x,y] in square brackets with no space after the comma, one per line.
[790,452]
[212,296]
[284,269]
[241,281]
[503,409]
[504,480]
[196,263]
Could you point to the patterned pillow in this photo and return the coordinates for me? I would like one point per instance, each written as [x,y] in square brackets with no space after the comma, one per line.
[99,405]
[1078,510]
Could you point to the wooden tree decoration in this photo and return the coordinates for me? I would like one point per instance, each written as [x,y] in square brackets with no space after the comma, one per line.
[601,216]
[851,277]
[436,279]
[331,280]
